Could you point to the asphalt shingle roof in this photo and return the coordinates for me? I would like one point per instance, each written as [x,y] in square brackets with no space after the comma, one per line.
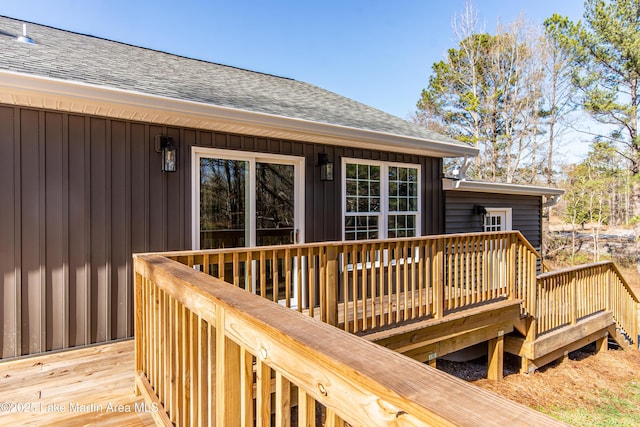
[76,57]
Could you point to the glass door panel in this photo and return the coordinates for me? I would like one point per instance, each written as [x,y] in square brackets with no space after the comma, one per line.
[275,204]
[251,201]
[275,222]
[223,203]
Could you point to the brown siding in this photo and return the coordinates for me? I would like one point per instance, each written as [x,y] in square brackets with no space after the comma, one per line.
[526,213]
[9,229]
[80,194]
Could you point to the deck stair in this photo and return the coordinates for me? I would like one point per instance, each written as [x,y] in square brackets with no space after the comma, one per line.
[571,308]
[559,342]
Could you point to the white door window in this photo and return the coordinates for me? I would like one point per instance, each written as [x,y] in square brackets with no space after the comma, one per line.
[497,219]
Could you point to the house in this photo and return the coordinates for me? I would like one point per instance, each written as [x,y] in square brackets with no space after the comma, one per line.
[474,206]
[111,149]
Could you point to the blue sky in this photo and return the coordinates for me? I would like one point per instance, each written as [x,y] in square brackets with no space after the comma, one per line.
[376,52]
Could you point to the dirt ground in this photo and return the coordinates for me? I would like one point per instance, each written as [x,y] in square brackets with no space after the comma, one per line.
[581,381]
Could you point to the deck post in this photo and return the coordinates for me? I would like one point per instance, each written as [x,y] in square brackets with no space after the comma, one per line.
[332,286]
[635,333]
[138,325]
[512,266]
[527,366]
[437,278]
[573,299]
[602,344]
[564,357]
[607,289]
[495,368]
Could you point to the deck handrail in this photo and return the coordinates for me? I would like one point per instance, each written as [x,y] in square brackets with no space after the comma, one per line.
[567,295]
[363,285]
[209,353]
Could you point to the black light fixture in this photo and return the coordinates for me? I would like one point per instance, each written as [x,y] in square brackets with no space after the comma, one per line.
[326,167]
[169,158]
[479,210]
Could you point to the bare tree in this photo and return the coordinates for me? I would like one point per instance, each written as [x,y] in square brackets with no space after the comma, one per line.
[487,92]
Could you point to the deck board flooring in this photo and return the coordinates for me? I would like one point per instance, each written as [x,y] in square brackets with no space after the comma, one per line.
[93,386]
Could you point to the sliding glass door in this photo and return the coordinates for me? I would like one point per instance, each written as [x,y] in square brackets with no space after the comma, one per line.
[245,200]
[223,195]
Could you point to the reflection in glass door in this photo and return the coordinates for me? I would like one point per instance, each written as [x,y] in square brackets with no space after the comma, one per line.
[275,204]
[223,203]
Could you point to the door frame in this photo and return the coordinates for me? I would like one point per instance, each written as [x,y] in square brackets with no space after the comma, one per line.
[252,158]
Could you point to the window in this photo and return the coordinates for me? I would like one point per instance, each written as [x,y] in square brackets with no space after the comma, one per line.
[381,200]
[497,219]
[403,201]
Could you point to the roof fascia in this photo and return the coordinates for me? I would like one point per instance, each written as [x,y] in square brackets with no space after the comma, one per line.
[71,96]
[500,188]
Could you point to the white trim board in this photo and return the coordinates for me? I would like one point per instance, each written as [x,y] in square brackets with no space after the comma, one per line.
[71,96]
[499,188]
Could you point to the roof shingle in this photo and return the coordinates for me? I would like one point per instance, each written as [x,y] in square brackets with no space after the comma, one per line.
[81,58]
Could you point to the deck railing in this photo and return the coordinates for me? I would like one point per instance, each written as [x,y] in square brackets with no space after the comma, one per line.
[359,286]
[208,353]
[565,296]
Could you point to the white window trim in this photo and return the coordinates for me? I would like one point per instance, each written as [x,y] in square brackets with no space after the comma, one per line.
[204,152]
[383,215]
[508,226]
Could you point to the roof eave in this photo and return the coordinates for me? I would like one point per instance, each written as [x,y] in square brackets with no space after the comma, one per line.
[500,188]
[71,96]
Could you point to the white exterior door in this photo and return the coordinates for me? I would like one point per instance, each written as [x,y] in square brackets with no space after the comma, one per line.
[497,219]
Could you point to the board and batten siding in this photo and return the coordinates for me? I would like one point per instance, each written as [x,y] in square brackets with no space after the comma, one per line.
[80,194]
[526,213]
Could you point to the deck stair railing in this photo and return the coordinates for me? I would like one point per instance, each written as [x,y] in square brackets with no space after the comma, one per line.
[208,353]
[364,285]
[565,296]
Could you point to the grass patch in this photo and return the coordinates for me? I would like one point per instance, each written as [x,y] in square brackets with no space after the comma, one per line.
[608,409]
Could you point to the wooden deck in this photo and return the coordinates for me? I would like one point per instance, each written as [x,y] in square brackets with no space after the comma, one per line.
[211,353]
[88,386]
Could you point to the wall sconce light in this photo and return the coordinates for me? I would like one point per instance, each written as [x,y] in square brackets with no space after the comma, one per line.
[326,167]
[165,145]
[479,210]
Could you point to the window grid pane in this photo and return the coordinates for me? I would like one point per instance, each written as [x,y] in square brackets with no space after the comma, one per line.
[492,222]
[403,189]
[365,215]
[401,226]
[361,227]
[362,188]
